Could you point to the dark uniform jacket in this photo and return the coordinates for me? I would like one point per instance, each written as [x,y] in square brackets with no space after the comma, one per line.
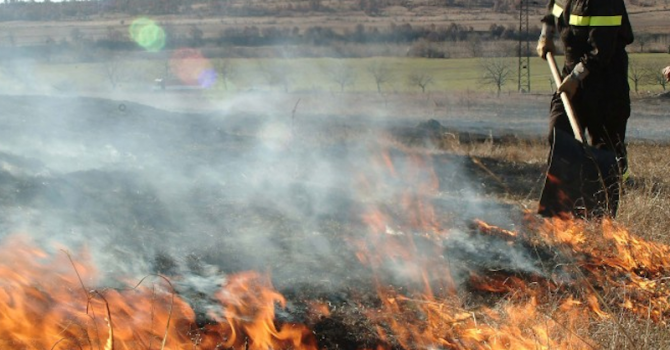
[596,33]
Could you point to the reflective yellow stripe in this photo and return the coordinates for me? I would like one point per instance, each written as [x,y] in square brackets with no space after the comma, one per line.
[557,11]
[582,21]
[585,21]
[606,21]
[595,21]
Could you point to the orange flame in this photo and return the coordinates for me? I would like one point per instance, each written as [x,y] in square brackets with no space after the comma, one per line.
[250,301]
[44,305]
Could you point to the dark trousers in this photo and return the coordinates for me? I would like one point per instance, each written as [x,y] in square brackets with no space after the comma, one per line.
[602,112]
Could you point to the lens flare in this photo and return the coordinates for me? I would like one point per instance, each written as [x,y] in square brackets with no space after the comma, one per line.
[192,68]
[146,33]
[207,78]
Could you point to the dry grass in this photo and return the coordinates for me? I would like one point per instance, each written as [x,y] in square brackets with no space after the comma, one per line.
[531,150]
[646,206]
[643,333]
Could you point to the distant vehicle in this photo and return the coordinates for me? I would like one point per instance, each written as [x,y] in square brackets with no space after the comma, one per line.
[174,84]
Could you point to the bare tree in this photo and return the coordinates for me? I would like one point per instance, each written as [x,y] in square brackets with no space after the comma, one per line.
[421,79]
[381,73]
[656,76]
[115,70]
[497,72]
[642,39]
[343,75]
[225,70]
[636,74]
[474,44]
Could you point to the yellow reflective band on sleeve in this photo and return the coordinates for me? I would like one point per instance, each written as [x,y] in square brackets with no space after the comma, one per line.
[595,21]
[581,21]
[606,21]
[557,11]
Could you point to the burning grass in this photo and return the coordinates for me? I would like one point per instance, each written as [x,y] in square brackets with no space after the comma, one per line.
[585,277]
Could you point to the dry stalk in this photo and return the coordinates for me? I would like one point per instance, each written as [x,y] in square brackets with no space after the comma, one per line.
[109,345]
[172,295]
[88,294]
[63,339]
[490,173]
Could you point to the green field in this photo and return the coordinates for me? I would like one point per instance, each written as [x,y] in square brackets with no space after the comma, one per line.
[297,75]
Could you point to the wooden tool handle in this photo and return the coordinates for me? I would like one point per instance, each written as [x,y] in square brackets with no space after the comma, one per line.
[576,129]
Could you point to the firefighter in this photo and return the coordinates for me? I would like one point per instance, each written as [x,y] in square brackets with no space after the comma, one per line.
[594,34]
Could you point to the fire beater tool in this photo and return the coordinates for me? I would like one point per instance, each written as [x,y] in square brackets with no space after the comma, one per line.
[581,180]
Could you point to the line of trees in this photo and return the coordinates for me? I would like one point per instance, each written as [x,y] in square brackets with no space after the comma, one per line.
[424,41]
[321,36]
[341,74]
[496,73]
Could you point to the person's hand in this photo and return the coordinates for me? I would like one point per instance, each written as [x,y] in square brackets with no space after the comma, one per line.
[544,45]
[569,85]
[666,73]
[573,81]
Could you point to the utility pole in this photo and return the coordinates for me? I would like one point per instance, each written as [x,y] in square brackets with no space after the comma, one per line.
[524,47]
